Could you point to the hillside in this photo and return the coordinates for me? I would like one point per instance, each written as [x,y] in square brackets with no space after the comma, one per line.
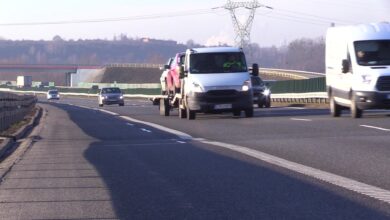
[131,75]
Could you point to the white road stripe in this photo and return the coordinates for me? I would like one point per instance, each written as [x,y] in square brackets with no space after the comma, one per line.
[300,119]
[373,127]
[109,112]
[298,108]
[350,184]
[146,130]
[181,142]
[180,134]
[129,124]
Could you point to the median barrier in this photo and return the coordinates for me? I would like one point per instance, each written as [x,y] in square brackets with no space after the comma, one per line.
[301,98]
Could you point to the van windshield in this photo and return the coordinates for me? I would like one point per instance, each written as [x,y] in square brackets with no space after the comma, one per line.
[373,52]
[218,63]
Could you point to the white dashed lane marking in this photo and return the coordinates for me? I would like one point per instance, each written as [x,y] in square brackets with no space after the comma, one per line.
[146,130]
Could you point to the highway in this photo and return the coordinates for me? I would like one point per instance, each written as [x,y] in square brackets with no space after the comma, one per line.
[285,163]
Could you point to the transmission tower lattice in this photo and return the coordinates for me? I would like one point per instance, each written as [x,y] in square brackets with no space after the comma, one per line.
[243,30]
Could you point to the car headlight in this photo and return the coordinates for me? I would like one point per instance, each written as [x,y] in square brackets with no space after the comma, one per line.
[197,87]
[366,79]
[246,86]
[121,97]
[267,92]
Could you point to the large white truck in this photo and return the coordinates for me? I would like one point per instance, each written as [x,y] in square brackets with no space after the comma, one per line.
[358,68]
[213,80]
[24,81]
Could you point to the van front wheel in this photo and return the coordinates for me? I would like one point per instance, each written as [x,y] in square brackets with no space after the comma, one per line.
[355,111]
[335,109]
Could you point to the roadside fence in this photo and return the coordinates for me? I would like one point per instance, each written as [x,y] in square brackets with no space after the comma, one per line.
[14,107]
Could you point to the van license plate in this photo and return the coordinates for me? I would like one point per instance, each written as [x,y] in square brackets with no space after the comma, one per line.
[223,106]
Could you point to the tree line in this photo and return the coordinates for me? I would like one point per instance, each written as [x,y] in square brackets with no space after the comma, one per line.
[302,54]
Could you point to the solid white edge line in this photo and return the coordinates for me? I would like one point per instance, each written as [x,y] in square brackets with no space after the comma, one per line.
[180,134]
[340,181]
[300,119]
[373,127]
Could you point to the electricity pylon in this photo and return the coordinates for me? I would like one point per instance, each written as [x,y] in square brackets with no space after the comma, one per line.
[243,30]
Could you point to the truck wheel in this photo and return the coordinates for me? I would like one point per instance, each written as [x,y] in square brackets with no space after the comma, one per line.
[191,115]
[236,113]
[260,104]
[182,113]
[335,109]
[164,107]
[355,111]
[100,105]
[249,113]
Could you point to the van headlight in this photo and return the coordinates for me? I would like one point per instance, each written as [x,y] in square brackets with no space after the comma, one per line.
[366,79]
[246,86]
[197,87]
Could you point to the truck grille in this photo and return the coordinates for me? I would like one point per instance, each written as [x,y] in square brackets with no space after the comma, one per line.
[383,83]
[222,92]
[222,96]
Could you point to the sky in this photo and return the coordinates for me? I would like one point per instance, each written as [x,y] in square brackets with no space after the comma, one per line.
[201,21]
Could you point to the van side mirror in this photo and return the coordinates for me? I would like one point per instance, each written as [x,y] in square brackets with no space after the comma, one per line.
[182,73]
[345,66]
[166,67]
[255,69]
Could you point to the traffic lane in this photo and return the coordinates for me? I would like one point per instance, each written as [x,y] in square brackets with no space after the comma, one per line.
[336,145]
[173,179]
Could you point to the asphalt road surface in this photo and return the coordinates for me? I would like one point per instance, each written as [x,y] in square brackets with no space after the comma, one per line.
[285,163]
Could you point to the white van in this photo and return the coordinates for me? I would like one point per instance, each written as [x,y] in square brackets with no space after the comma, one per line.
[358,68]
[215,79]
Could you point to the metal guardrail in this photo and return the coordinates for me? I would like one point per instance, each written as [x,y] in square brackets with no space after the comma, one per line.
[14,107]
[302,98]
[293,74]
[309,97]
[135,65]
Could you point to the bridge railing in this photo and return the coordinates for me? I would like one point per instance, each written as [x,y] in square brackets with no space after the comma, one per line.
[14,107]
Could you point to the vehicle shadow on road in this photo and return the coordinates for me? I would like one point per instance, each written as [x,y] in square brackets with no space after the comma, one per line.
[155,176]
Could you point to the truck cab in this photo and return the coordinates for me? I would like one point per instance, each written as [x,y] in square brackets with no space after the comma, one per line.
[358,68]
[215,79]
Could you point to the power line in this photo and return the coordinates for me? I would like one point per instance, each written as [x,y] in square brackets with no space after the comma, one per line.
[132,18]
[311,16]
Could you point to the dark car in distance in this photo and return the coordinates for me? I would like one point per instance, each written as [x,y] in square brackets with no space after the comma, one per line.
[261,92]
